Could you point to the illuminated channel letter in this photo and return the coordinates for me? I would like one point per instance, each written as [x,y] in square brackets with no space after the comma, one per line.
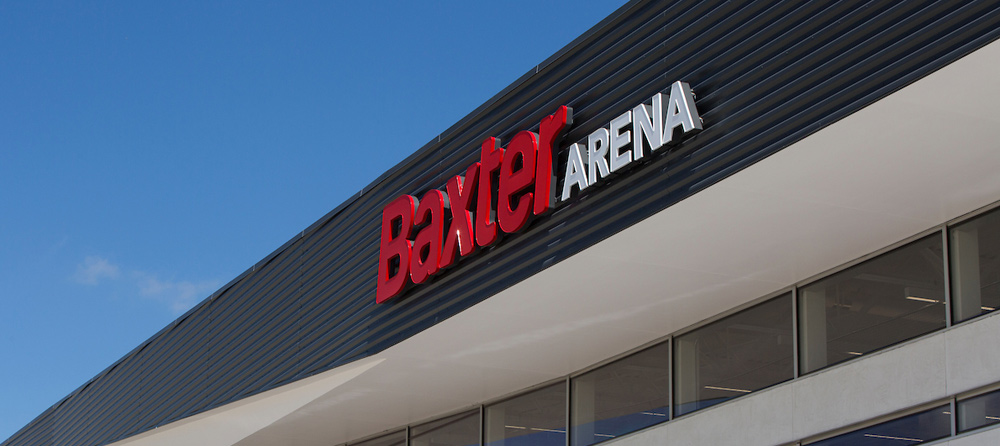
[461,192]
[394,249]
[517,175]
[550,132]
[620,140]
[575,173]
[647,124]
[490,160]
[426,251]
[681,111]
[597,150]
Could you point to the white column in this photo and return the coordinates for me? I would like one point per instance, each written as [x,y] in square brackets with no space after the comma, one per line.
[584,410]
[966,296]
[812,328]
[687,384]
[496,420]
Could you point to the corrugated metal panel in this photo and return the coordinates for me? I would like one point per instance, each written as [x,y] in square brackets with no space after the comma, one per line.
[768,74]
[39,431]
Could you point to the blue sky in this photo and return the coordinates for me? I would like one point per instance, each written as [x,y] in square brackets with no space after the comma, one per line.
[151,152]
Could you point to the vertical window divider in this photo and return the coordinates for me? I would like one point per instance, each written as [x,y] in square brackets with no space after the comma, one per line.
[670,378]
[945,255]
[407,435]
[954,416]
[569,409]
[482,424]
[795,332]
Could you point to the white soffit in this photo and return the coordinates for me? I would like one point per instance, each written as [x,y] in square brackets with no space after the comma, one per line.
[921,156]
[231,423]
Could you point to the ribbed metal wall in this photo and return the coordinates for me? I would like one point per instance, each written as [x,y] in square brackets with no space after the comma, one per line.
[766,73]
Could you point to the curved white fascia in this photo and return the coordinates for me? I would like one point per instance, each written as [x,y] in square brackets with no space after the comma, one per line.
[227,425]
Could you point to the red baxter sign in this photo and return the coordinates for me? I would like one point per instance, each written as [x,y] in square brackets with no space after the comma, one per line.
[519,179]
[508,185]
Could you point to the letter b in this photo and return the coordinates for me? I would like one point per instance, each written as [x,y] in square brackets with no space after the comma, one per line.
[395,248]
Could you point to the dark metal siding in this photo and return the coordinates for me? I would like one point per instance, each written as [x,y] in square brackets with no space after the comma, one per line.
[767,74]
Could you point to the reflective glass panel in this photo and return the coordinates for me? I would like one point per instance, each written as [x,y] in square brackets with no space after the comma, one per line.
[979,411]
[393,439]
[886,300]
[975,266]
[621,397]
[536,418]
[734,356]
[456,430]
[911,429]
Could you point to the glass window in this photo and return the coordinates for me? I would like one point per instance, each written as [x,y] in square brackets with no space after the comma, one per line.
[621,397]
[393,439]
[975,266]
[456,430]
[979,411]
[536,418]
[886,300]
[911,429]
[744,352]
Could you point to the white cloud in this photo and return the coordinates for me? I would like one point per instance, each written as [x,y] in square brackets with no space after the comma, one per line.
[94,269]
[179,295]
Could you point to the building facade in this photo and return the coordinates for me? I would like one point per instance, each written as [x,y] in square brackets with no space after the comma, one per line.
[761,223]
